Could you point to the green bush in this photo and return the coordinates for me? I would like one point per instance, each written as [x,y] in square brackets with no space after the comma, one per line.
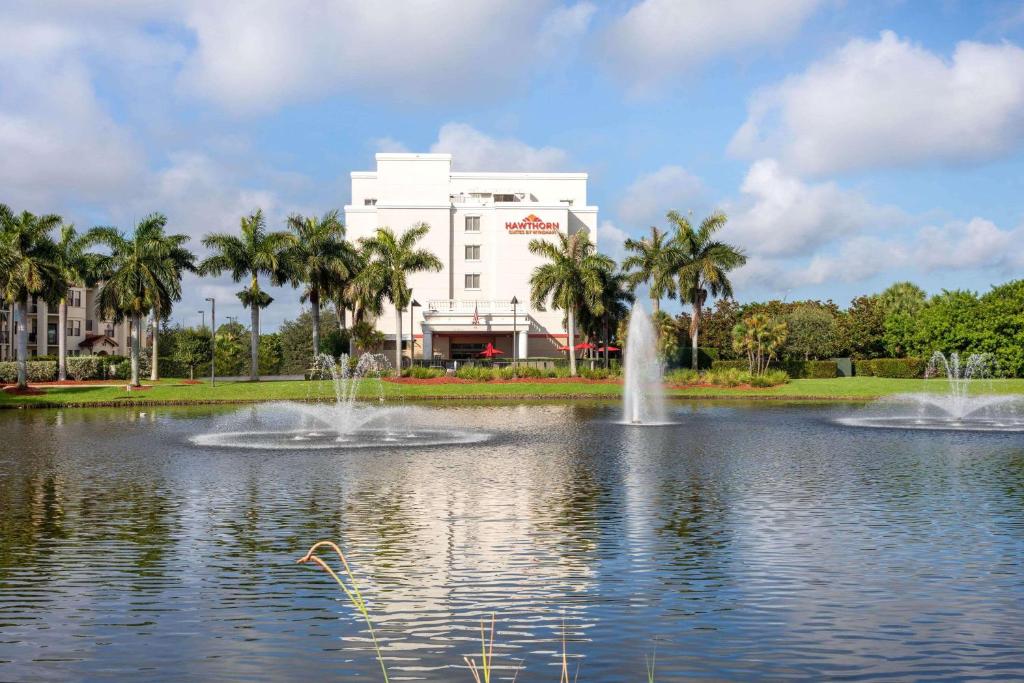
[900,368]
[522,371]
[120,367]
[85,367]
[772,378]
[730,365]
[811,369]
[596,373]
[421,372]
[682,376]
[727,377]
[38,371]
[8,372]
[475,373]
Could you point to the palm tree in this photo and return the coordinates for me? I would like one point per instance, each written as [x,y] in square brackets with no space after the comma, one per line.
[365,301]
[320,259]
[572,279]
[616,299]
[257,252]
[702,265]
[76,267]
[182,260]
[27,268]
[141,275]
[391,259]
[651,262]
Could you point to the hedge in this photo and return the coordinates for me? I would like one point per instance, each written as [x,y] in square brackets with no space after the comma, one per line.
[706,357]
[811,369]
[85,367]
[38,371]
[730,365]
[899,368]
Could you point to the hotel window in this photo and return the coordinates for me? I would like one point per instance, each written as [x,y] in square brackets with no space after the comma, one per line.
[51,333]
[74,328]
[74,298]
[109,331]
[472,280]
[472,252]
[472,223]
[504,197]
[88,325]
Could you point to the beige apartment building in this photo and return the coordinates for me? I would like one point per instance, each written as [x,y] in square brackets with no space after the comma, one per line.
[86,331]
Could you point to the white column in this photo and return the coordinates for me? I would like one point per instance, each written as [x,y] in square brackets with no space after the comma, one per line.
[523,347]
[428,343]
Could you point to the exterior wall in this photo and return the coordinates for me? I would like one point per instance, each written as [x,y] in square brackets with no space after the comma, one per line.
[408,189]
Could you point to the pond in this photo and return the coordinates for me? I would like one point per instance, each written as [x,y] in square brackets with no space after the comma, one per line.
[743,542]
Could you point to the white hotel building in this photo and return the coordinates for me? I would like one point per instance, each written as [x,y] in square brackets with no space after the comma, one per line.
[481,225]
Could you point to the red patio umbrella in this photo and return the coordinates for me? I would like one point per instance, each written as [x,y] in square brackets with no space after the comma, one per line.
[602,349]
[490,351]
[583,346]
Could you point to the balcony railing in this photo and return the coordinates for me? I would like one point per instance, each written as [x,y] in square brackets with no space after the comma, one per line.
[470,306]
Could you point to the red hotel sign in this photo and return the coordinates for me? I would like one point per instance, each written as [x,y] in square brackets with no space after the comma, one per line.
[531,225]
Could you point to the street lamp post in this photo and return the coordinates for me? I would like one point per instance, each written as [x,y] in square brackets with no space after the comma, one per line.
[515,333]
[412,335]
[202,324]
[213,341]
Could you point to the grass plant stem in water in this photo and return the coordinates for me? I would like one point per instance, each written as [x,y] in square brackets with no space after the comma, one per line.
[353,594]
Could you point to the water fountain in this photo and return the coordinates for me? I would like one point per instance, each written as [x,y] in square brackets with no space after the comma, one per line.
[350,420]
[644,392]
[958,408]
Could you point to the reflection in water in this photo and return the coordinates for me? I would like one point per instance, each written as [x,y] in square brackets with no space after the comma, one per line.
[742,543]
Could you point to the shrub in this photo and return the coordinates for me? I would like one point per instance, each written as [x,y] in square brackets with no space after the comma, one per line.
[596,373]
[682,376]
[771,378]
[8,372]
[727,377]
[901,368]
[730,365]
[814,369]
[475,373]
[421,372]
[85,367]
[120,367]
[522,371]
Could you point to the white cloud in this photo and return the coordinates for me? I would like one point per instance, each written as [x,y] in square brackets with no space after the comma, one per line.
[891,103]
[660,39]
[473,150]
[610,240]
[650,196]
[782,215]
[254,56]
[978,243]
[58,141]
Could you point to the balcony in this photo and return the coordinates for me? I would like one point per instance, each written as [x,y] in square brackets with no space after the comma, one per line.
[470,306]
[468,315]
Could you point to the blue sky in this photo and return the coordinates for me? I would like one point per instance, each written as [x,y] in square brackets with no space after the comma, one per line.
[851,143]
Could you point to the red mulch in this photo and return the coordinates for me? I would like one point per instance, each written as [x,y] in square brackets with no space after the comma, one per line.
[15,391]
[190,381]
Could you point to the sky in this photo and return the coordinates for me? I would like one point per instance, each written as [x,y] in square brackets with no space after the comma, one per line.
[851,143]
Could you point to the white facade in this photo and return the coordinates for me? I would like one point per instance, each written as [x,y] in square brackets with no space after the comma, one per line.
[481,225]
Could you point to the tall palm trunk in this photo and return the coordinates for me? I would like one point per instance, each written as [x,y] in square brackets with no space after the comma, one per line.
[21,314]
[655,305]
[572,341]
[342,312]
[398,341]
[136,348]
[607,342]
[254,343]
[698,304]
[62,340]
[154,372]
[314,306]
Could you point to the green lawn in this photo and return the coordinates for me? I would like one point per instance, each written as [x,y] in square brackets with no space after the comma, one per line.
[854,388]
